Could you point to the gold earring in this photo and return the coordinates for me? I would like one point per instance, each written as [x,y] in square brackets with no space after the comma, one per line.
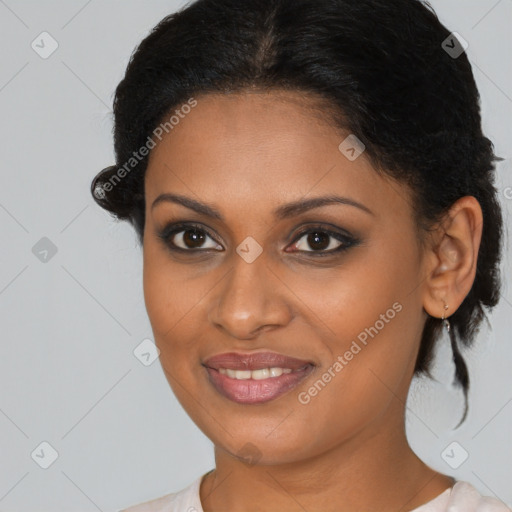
[445,321]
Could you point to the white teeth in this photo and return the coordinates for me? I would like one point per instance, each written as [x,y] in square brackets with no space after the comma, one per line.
[263,373]
[242,374]
[276,372]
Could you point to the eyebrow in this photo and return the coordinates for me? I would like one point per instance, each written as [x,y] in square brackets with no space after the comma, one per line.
[282,212]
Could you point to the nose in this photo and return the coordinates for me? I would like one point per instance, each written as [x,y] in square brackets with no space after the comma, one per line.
[249,300]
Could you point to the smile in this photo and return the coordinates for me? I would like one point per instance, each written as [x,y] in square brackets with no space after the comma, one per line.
[255,378]
[264,373]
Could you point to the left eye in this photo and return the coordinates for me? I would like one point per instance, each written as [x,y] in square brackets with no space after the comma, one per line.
[322,241]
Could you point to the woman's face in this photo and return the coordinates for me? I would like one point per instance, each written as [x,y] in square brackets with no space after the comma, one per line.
[260,277]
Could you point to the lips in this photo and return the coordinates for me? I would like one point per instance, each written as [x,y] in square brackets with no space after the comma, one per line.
[251,390]
[255,361]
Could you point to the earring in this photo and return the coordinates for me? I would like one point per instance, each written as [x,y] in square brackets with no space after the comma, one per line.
[445,321]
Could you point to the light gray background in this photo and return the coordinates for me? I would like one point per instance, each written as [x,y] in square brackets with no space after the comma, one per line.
[68,374]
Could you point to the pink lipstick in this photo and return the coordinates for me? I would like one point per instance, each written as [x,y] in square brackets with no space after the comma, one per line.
[255,378]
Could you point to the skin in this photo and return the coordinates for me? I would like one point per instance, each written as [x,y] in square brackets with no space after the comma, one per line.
[346,450]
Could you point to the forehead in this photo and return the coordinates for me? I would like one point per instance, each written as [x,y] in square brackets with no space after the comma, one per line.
[270,147]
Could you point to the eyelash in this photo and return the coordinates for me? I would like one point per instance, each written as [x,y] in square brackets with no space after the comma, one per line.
[169,231]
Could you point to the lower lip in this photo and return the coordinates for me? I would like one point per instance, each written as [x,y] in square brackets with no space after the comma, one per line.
[252,391]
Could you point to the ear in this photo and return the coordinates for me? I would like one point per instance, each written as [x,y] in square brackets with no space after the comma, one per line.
[452,257]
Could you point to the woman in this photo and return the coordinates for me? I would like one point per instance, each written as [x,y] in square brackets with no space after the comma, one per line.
[314,197]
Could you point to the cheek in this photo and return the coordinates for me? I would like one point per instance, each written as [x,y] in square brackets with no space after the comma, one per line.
[175,299]
[369,314]
[362,294]
[169,294]
[171,303]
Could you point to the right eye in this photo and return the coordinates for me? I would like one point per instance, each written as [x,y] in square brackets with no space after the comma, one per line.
[187,238]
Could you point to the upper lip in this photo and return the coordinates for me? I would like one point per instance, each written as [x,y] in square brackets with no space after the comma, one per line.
[254,361]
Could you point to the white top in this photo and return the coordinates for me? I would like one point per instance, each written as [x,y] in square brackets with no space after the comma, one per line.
[462,497]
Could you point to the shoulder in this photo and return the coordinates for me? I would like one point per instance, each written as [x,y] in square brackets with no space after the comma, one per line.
[464,497]
[186,500]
